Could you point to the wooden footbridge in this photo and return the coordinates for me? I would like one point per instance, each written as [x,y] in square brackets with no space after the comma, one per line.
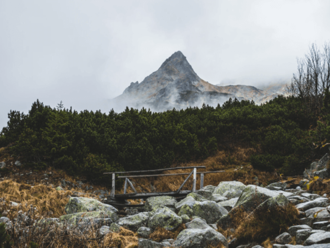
[119,200]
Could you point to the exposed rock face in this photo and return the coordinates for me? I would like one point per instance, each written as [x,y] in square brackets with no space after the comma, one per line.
[199,235]
[229,189]
[176,85]
[166,218]
[83,204]
[134,222]
[153,203]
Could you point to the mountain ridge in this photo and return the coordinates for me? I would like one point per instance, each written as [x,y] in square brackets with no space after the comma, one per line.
[176,85]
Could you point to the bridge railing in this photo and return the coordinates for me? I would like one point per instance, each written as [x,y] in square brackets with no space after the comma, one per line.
[127,183]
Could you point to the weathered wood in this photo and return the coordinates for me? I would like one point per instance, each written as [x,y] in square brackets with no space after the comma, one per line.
[202,180]
[208,172]
[166,175]
[130,183]
[125,185]
[166,169]
[194,182]
[184,182]
[113,189]
[147,195]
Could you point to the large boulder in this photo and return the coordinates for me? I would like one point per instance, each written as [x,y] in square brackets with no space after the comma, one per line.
[197,223]
[153,203]
[197,197]
[89,217]
[166,218]
[228,204]
[209,210]
[84,204]
[189,200]
[318,202]
[318,238]
[229,189]
[253,196]
[134,222]
[276,186]
[206,192]
[147,243]
[200,238]
[219,198]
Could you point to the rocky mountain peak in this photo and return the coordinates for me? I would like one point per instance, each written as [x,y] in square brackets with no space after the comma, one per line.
[177,64]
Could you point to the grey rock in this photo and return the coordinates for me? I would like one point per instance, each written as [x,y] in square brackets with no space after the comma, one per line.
[283,238]
[199,238]
[146,243]
[293,229]
[302,235]
[197,223]
[114,227]
[219,198]
[209,210]
[276,186]
[2,165]
[318,238]
[7,221]
[153,203]
[84,204]
[189,200]
[131,211]
[322,225]
[18,163]
[206,193]
[197,197]
[310,196]
[185,218]
[298,199]
[253,196]
[307,221]
[88,217]
[257,246]
[104,230]
[209,188]
[228,204]
[134,222]
[319,202]
[144,232]
[166,218]
[229,189]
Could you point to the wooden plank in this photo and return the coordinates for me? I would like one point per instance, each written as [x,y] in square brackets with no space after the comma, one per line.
[167,175]
[184,182]
[194,182]
[130,183]
[125,185]
[113,189]
[202,180]
[166,169]
[147,195]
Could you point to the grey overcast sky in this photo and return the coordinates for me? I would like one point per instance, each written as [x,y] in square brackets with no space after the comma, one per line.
[86,52]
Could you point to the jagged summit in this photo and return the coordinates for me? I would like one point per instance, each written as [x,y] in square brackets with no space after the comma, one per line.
[176,85]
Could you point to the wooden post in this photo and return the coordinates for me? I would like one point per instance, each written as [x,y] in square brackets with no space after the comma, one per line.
[130,183]
[113,185]
[194,183]
[125,186]
[202,180]
[184,182]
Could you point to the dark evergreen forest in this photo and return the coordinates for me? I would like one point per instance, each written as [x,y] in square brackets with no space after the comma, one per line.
[285,134]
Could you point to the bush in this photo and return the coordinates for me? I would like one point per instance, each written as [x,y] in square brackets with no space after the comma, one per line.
[267,162]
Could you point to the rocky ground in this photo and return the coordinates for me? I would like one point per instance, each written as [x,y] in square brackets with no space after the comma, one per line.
[232,214]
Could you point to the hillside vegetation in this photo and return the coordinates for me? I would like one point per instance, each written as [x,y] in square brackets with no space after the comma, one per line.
[282,133]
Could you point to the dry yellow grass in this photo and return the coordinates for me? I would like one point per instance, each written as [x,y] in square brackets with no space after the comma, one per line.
[49,201]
